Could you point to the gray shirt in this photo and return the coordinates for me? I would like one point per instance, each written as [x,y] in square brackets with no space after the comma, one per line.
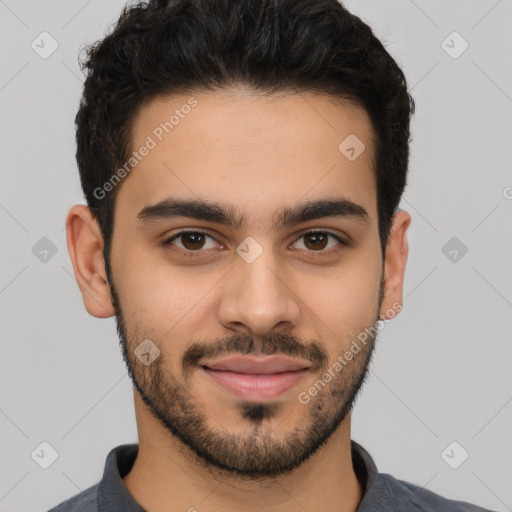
[382,492]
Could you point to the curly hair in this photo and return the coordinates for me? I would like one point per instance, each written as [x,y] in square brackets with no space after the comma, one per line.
[164,47]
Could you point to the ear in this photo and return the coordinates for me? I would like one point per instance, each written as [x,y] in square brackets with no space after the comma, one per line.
[85,247]
[395,260]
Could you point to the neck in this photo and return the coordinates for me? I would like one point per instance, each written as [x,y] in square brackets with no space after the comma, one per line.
[167,476]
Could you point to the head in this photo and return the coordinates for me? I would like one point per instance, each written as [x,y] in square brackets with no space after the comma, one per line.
[276,133]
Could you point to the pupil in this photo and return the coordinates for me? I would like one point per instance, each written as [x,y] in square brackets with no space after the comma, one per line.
[195,239]
[318,239]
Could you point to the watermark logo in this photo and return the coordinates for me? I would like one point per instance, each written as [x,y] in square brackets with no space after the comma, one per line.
[454,249]
[146,352]
[454,455]
[454,45]
[44,45]
[44,455]
[44,250]
[249,250]
[352,147]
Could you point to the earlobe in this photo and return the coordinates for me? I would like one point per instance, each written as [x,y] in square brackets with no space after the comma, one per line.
[85,247]
[397,250]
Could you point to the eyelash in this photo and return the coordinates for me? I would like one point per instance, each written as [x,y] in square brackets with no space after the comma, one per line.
[167,243]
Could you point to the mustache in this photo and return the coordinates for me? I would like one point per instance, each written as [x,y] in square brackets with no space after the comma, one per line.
[274,343]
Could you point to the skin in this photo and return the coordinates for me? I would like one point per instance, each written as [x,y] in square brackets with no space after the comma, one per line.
[258,154]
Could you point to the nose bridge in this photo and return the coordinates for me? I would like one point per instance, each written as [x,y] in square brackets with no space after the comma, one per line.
[258,298]
[261,280]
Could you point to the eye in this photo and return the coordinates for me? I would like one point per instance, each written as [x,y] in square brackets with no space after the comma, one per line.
[318,241]
[191,242]
[194,243]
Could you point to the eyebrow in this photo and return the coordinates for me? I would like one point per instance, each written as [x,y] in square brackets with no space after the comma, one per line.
[227,215]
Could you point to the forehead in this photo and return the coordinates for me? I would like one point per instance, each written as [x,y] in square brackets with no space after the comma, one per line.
[256,153]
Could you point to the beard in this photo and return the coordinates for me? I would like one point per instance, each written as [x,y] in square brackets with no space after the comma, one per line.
[258,454]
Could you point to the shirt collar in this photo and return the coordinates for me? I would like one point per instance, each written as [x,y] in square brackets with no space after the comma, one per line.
[378,492]
[113,495]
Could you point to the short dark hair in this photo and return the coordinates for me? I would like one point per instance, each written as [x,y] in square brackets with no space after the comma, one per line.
[164,47]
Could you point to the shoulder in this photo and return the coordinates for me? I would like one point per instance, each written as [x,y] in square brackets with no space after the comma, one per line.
[420,499]
[82,502]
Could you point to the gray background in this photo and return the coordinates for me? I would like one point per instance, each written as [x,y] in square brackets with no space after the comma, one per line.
[441,371]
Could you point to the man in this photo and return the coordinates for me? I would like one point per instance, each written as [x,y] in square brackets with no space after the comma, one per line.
[243,162]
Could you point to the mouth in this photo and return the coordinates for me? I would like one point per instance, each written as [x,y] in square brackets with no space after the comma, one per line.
[256,378]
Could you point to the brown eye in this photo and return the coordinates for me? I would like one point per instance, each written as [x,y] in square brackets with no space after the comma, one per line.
[192,241]
[318,241]
[189,241]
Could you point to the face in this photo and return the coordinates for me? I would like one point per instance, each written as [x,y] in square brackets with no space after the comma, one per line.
[245,264]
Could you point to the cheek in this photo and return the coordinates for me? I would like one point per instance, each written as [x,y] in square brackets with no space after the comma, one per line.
[151,288]
[165,302]
[347,299]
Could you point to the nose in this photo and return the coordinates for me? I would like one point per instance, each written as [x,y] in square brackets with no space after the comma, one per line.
[258,297]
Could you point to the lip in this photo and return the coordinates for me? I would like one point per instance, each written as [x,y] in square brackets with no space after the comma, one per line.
[257,365]
[256,378]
